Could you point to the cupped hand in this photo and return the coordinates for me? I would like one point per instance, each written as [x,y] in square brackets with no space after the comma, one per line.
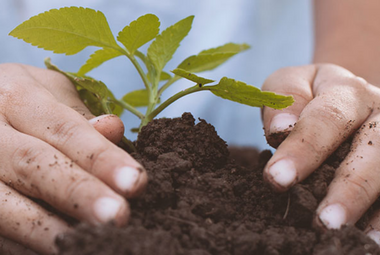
[53,149]
[331,104]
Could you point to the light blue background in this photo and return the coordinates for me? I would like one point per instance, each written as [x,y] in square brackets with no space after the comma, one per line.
[279,31]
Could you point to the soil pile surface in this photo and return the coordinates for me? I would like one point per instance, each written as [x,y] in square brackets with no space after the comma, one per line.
[203,198]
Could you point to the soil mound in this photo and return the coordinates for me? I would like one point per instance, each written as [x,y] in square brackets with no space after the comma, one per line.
[203,198]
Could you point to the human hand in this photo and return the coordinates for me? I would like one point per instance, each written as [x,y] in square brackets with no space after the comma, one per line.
[331,103]
[50,151]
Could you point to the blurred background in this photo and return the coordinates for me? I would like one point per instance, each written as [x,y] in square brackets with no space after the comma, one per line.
[280,33]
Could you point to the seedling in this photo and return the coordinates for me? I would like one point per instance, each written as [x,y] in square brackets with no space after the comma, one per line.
[71,29]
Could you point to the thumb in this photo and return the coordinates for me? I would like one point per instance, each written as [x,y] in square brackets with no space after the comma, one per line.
[110,126]
[295,81]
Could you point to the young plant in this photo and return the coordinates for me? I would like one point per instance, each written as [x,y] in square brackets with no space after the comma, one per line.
[71,29]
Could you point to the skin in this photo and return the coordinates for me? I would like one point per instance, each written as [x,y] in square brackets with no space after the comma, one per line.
[335,97]
[47,135]
[54,150]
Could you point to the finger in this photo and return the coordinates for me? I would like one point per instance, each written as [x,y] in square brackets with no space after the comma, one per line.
[70,133]
[110,126]
[12,248]
[63,90]
[27,223]
[341,104]
[36,169]
[58,85]
[373,228]
[295,81]
[55,83]
[356,185]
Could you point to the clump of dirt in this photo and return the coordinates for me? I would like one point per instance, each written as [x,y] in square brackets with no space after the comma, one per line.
[203,198]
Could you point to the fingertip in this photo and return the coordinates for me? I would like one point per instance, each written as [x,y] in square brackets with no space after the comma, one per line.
[107,209]
[131,181]
[373,230]
[279,128]
[110,126]
[374,235]
[332,216]
[282,122]
[281,175]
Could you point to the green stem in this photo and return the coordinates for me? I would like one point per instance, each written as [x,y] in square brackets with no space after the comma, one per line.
[149,110]
[106,107]
[127,145]
[140,71]
[173,98]
[154,96]
[129,108]
[137,66]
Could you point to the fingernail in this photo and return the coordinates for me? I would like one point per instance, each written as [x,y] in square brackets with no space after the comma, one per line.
[126,178]
[95,120]
[282,121]
[374,235]
[283,172]
[106,209]
[333,216]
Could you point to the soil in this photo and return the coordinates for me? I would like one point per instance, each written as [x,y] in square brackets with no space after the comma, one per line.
[205,198]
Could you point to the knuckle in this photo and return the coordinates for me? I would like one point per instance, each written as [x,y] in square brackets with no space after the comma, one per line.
[363,189]
[331,114]
[97,159]
[277,76]
[63,132]
[312,147]
[330,117]
[24,166]
[22,160]
[357,86]
[74,188]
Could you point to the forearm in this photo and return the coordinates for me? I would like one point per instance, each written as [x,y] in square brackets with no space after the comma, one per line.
[347,33]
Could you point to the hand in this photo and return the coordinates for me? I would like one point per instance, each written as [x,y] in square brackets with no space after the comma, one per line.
[50,151]
[331,103]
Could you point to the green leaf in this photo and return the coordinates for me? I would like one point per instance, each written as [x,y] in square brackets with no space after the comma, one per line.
[240,92]
[164,46]
[211,58]
[137,98]
[98,58]
[91,102]
[67,30]
[165,76]
[139,32]
[97,88]
[92,85]
[192,77]
[227,48]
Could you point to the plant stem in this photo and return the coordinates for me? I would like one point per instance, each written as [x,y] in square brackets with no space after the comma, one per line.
[127,145]
[106,107]
[173,98]
[137,66]
[149,110]
[140,71]
[129,108]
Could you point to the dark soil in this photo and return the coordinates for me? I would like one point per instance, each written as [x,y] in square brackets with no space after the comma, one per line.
[204,198]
